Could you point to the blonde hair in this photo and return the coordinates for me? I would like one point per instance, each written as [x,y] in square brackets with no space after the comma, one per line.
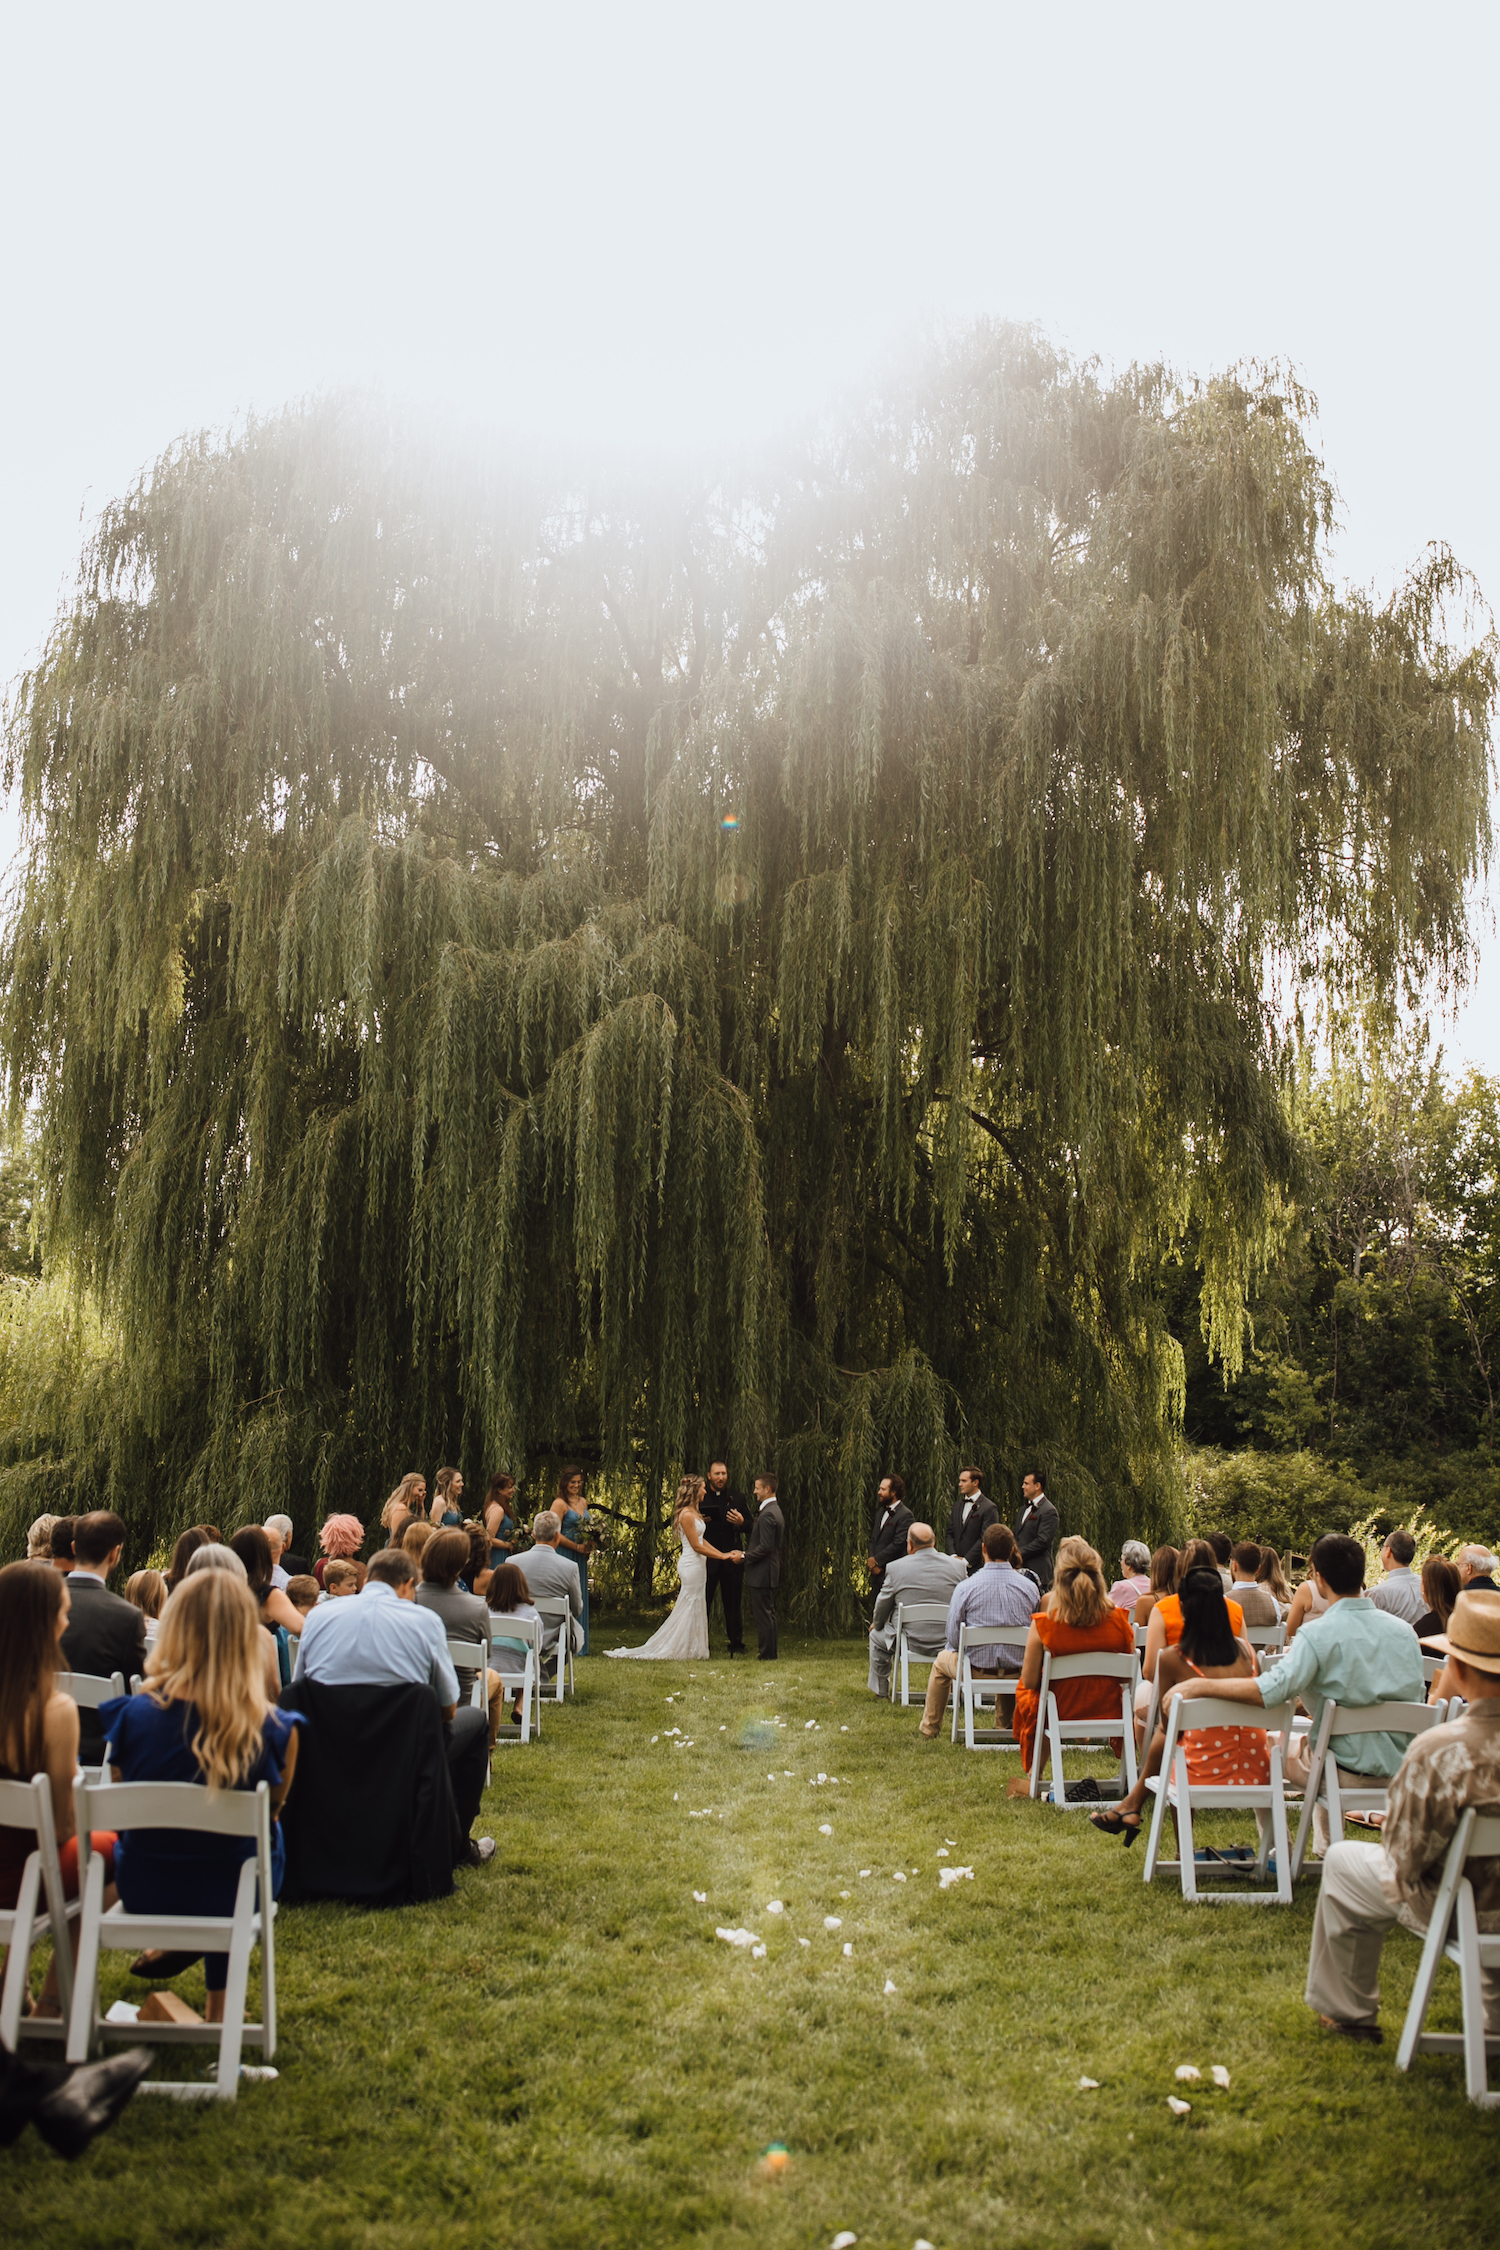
[403,1497]
[689,1495]
[1079,1595]
[209,1653]
[148,1590]
[39,1539]
[415,1537]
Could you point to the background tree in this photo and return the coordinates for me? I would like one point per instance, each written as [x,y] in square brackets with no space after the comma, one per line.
[763,958]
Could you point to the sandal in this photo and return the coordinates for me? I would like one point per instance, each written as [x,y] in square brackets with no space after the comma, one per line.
[1117,1824]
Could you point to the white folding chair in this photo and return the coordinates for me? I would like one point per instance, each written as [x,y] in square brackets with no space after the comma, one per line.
[1431,1666]
[527,1682]
[555,1610]
[40,1911]
[1172,1787]
[130,1806]
[1325,1784]
[1053,1730]
[930,1621]
[1454,1935]
[1266,1638]
[89,1690]
[473,1656]
[974,1689]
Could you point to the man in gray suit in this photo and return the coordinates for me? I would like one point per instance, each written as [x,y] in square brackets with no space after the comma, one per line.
[547,1573]
[763,1565]
[920,1575]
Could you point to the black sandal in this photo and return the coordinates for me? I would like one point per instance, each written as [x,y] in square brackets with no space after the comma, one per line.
[1116,1824]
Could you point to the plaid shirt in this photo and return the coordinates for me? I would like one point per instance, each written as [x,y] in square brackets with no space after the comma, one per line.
[995,1595]
[1444,1772]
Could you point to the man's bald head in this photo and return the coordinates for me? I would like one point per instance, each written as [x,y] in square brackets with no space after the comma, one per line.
[920,1535]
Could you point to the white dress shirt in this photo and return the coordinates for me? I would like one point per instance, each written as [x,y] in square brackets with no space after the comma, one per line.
[374,1639]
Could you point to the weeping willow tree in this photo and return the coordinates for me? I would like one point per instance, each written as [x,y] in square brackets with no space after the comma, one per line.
[771,960]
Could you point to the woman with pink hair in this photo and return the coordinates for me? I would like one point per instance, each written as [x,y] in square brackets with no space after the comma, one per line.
[340,1537]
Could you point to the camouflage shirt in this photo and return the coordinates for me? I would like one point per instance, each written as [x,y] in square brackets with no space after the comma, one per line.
[1443,1773]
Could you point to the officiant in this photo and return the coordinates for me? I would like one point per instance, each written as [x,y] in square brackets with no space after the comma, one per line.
[724,1513]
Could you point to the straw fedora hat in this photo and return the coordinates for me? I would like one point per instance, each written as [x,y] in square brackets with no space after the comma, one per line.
[1473,1634]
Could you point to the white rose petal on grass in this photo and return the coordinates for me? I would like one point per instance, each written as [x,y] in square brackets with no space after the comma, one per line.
[1178,2109]
[674,1796]
[846,1894]
[701,1897]
[890,1989]
[864,1871]
[1088,2085]
[1221,2076]
[807,1941]
[774,1906]
[948,1876]
[1186,2071]
[843,1730]
[810,1725]
[738,1937]
[942,1851]
[921,2243]
[951,1842]
[757,1953]
[848,1953]
[825,1828]
[844,2241]
[832,1922]
[898,1877]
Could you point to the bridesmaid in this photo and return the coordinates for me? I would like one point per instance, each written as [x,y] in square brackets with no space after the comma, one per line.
[572,1508]
[499,1518]
[448,1490]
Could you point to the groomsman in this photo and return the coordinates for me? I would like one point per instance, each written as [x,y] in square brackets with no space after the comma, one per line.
[971,1519]
[724,1528]
[1036,1529]
[893,1520]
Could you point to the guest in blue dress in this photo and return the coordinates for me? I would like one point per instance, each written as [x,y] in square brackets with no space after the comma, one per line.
[202,1717]
[571,1508]
[499,1515]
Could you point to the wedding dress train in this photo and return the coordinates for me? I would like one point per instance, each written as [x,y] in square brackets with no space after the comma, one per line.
[685,1633]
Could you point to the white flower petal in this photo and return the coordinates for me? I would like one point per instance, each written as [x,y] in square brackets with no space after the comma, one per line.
[845,2241]
[846,1894]
[757,1953]
[889,1988]
[825,1828]
[738,1937]
[921,2243]
[864,1871]
[848,1953]
[1088,2085]
[832,1922]
[1220,2075]
[1187,2070]
[774,1906]
[807,1941]
[898,1877]
[1178,2109]
[942,1851]
[701,1897]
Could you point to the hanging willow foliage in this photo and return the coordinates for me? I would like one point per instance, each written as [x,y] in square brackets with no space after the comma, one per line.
[511,961]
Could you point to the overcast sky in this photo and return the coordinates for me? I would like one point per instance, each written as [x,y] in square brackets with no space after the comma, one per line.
[665,225]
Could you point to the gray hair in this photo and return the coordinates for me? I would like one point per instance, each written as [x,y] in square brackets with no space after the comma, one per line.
[1134,1556]
[39,1538]
[1482,1560]
[282,1526]
[547,1528]
[218,1558]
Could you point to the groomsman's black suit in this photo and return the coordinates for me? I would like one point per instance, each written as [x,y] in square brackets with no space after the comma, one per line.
[966,1533]
[104,1634]
[888,1539]
[762,1568]
[728,1577]
[1036,1536]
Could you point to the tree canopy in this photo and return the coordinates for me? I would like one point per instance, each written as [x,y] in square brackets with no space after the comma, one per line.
[770,956]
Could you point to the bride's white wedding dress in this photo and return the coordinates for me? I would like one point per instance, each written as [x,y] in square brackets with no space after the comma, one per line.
[685,1633]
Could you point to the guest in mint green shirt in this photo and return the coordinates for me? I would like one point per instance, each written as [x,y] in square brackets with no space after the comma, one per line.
[1353,1655]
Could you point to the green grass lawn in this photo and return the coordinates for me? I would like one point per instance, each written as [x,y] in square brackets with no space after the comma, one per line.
[565,2054]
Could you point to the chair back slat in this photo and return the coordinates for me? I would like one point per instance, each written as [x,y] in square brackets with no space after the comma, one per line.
[90,1689]
[1484,1839]
[1384,1718]
[1192,1713]
[170,1804]
[995,1636]
[923,1613]
[1090,1666]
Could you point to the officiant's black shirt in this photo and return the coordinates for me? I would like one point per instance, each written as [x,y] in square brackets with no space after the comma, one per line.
[715,1507]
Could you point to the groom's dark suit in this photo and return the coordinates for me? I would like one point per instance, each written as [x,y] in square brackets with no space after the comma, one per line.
[762,1568]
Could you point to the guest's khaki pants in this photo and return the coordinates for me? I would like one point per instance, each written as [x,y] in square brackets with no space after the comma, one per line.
[944,1673]
[1354,1919]
[1296,1765]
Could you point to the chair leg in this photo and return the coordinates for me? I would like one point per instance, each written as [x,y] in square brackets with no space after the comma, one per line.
[1153,1833]
[231,2037]
[18,1961]
[1186,1855]
[1280,1841]
[82,2023]
[1304,1825]
[1127,1715]
[1421,1991]
[1476,2068]
[1059,1785]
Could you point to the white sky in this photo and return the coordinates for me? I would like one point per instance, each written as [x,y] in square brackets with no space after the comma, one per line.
[659,225]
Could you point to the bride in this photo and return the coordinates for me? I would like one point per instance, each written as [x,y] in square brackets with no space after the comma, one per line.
[685,1633]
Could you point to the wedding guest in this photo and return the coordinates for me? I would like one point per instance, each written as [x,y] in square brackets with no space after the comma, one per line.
[999,1593]
[280,1527]
[213,1555]
[39,1731]
[276,1542]
[550,1576]
[1307,1602]
[474,1578]
[1440,1590]
[1134,1580]
[302,1592]
[1257,1602]
[1270,1575]
[498,1515]
[342,1577]
[1220,1543]
[414,1539]
[1217,1757]
[62,1543]
[1400,1590]
[1164,1627]
[448,1490]
[1079,1619]
[462,1615]
[147,1589]
[573,1540]
[39,1539]
[188,1543]
[921,1576]
[203,1716]
[508,1597]
[1163,1581]
[340,1538]
[1477,1568]
[254,1550]
[104,1634]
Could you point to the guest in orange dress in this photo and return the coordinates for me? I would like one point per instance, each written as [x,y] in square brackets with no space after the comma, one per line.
[1077,1620]
[1164,1627]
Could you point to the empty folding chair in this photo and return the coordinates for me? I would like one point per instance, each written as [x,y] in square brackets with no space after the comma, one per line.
[134,1805]
[1173,1788]
[973,1689]
[40,1911]
[929,1621]
[1454,1935]
[1052,1730]
[1338,1793]
[554,1610]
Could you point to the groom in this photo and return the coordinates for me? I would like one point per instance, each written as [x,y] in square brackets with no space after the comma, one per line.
[763,1564]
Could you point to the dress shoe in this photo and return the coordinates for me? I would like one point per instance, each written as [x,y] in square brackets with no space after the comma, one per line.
[478,1852]
[162,1967]
[90,2099]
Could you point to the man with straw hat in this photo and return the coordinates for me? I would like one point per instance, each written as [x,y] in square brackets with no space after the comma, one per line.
[1368,1888]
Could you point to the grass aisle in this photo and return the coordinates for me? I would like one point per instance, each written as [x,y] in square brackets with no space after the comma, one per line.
[565,2054]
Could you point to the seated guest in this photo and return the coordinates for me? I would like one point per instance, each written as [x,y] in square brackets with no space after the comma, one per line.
[1353,1655]
[499,1518]
[1400,1590]
[1164,1627]
[214,1555]
[414,1538]
[506,1597]
[920,1575]
[1218,1757]
[38,1731]
[103,1634]
[280,1527]
[147,1589]
[463,1616]
[1441,1587]
[188,1543]
[475,1575]
[340,1539]
[1163,1581]
[1257,1602]
[203,1716]
[341,1578]
[1078,1619]
[1222,1550]
[1135,1575]
[1476,1569]
[384,1639]
[999,1593]
[550,1575]
[303,1593]
[1271,1576]
[254,1550]
[275,1542]
[39,1539]
[1368,1888]
[62,1543]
